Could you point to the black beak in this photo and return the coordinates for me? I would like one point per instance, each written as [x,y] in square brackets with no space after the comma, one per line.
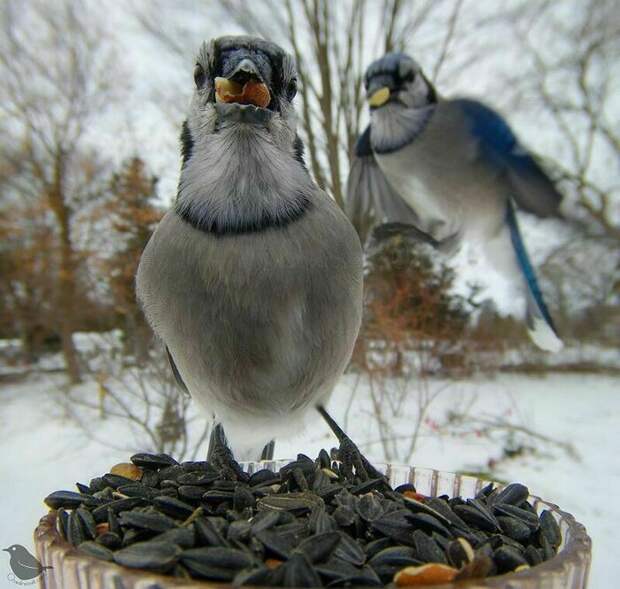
[246,70]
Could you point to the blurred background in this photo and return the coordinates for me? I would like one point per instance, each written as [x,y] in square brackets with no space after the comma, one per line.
[92,97]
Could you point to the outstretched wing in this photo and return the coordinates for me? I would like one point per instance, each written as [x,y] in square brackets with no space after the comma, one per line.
[532,189]
[175,372]
[370,198]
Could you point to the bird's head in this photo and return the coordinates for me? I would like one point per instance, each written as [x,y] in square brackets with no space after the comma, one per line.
[401,101]
[241,80]
[396,79]
[12,549]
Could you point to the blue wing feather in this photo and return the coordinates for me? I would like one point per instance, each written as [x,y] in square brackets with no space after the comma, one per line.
[533,190]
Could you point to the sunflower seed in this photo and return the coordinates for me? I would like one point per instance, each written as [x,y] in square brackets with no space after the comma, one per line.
[154,556]
[97,550]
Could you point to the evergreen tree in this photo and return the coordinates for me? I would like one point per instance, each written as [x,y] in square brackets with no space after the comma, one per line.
[134,214]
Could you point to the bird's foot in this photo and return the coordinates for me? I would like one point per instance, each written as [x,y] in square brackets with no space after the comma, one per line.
[222,458]
[353,464]
[268,450]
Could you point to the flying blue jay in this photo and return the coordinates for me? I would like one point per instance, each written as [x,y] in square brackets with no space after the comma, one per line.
[253,279]
[449,171]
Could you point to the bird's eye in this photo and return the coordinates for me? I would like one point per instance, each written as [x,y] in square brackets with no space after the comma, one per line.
[199,75]
[407,76]
[291,89]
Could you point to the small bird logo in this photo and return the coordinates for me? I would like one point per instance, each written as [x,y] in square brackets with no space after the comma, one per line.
[24,565]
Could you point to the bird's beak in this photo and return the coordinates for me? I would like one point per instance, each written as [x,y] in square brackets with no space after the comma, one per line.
[5,550]
[245,85]
[379,97]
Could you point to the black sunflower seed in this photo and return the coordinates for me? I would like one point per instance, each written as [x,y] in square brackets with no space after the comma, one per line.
[154,556]
[459,552]
[210,531]
[62,518]
[137,490]
[389,561]
[344,516]
[336,570]
[183,537]
[369,507]
[116,480]
[153,461]
[243,498]
[101,513]
[549,527]
[508,559]
[532,555]
[426,549]
[66,499]
[153,522]
[514,528]
[349,550]
[197,478]
[75,529]
[395,525]
[83,488]
[428,523]
[274,544]
[475,517]
[97,550]
[513,494]
[528,518]
[239,530]
[109,540]
[298,572]
[545,546]
[255,577]
[190,493]
[320,547]
[88,522]
[173,507]
[320,521]
[150,478]
[217,564]
[293,502]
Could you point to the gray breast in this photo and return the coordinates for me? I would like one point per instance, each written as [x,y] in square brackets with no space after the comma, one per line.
[259,322]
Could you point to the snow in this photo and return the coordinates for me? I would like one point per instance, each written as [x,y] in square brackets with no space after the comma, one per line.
[43,451]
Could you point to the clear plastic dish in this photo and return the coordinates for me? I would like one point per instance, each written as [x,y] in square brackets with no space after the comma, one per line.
[569,569]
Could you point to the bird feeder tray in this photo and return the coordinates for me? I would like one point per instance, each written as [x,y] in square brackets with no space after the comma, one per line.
[569,569]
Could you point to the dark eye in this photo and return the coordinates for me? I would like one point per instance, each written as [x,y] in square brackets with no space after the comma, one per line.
[199,75]
[291,89]
[408,76]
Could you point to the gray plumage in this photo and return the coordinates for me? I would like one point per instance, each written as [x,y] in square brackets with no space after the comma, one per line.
[450,171]
[254,279]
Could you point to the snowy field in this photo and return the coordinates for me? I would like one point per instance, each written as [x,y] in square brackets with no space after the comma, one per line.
[41,451]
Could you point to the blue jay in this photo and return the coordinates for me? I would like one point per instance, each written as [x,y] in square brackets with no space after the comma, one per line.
[253,279]
[449,171]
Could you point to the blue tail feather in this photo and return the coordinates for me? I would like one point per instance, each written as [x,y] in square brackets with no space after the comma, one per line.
[526,265]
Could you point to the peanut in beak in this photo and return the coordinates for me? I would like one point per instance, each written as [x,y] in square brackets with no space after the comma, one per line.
[252,92]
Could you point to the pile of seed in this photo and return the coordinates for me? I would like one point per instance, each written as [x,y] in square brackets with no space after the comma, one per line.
[305,526]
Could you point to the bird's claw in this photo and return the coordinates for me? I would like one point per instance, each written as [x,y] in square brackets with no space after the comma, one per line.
[222,458]
[353,464]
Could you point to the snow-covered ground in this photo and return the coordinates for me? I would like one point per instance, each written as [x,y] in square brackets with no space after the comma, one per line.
[42,451]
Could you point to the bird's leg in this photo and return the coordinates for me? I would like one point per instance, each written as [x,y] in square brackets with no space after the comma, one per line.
[268,451]
[221,456]
[349,454]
